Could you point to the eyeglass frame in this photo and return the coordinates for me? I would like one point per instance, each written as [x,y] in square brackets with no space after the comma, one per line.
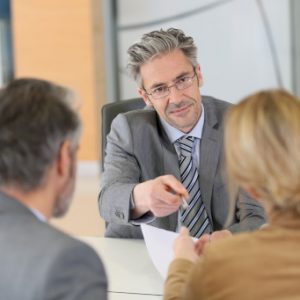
[174,85]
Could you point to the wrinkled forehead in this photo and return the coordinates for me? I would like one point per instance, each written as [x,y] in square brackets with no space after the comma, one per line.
[164,69]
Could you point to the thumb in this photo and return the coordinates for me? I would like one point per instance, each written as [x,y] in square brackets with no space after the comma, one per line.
[184,231]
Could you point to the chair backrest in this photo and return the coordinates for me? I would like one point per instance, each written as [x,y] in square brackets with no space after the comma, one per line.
[110,111]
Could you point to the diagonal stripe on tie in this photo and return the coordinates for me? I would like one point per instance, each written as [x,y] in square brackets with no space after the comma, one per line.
[194,217]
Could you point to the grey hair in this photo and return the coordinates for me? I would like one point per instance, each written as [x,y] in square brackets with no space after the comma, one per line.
[36,117]
[156,43]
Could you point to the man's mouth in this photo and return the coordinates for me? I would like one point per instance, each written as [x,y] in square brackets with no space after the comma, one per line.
[180,110]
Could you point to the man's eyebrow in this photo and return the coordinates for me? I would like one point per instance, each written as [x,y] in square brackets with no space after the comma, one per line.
[181,75]
[159,84]
[156,85]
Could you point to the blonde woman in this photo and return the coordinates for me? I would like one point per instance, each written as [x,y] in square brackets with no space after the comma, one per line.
[262,149]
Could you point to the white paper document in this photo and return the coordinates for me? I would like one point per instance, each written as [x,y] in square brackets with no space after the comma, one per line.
[159,243]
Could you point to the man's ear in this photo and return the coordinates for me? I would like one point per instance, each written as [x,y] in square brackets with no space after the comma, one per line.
[145,97]
[64,159]
[199,75]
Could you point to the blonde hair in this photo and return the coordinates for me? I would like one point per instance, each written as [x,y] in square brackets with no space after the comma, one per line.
[262,147]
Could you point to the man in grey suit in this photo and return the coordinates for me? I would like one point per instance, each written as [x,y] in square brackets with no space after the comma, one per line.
[39,134]
[145,178]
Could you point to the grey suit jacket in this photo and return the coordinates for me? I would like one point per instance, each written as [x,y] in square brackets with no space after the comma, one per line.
[38,262]
[138,149]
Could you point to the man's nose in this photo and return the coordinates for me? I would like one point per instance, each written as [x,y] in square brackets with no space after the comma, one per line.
[175,95]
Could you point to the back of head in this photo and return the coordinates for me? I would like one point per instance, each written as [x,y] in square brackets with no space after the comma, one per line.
[36,117]
[157,43]
[262,144]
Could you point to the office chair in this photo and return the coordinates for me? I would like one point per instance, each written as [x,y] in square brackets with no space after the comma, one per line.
[109,112]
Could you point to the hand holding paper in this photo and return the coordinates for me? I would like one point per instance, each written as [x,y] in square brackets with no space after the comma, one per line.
[163,245]
[159,243]
[184,246]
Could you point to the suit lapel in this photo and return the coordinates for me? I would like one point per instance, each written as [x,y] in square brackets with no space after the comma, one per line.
[210,147]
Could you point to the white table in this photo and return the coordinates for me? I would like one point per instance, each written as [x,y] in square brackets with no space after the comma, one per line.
[116,296]
[131,273]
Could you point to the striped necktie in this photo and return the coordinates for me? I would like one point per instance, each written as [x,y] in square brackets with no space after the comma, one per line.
[194,217]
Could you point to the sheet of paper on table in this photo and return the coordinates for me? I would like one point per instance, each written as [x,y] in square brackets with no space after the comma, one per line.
[159,243]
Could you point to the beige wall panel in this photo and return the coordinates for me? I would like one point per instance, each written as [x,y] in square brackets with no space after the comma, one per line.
[83,216]
[60,40]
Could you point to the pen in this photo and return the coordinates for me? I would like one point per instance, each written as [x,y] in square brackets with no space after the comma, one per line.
[184,204]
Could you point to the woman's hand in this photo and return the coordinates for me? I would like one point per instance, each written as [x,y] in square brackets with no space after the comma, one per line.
[184,246]
[205,239]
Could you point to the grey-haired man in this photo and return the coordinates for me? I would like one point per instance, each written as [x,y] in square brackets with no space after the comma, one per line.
[148,173]
[39,135]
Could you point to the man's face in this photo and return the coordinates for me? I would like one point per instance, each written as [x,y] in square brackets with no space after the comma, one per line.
[181,108]
[64,198]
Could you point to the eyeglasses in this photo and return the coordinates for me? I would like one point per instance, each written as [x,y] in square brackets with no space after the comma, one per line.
[163,90]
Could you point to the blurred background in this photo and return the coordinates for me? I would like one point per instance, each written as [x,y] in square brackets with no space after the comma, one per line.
[243,46]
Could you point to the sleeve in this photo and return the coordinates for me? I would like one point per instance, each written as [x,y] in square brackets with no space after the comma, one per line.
[177,278]
[76,273]
[121,173]
[248,213]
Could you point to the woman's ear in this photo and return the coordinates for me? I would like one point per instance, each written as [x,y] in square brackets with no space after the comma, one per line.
[253,192]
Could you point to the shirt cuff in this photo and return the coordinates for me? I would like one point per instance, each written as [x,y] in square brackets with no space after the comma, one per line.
[148,217]
[145,218]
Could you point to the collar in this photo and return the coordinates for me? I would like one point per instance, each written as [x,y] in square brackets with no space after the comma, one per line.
[38,214]
[9,203]
[174,134]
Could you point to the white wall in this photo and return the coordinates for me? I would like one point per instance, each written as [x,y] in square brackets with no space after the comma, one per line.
[233,49]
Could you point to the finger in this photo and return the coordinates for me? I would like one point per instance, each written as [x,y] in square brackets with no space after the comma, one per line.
[162,208]
[200,247]
[162,212]
[220,234]
[166,204]
[200,244]
[171,182]
[184,231]
[164,197]
[204,238]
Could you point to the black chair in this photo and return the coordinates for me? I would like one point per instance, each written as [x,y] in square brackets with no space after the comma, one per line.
[110,111]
